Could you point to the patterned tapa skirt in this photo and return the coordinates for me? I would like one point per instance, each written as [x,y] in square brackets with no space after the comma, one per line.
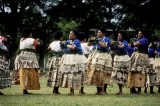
[27,64]
[156,65]
[120,69]
[99,69]
[152,76]
[26,60]
[54,77]
[5,78]
[73,67]
[139,69]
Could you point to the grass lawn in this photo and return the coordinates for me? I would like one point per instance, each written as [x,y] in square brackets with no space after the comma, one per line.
[44,96]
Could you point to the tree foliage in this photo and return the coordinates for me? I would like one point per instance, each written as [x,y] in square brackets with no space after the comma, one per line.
[48,16]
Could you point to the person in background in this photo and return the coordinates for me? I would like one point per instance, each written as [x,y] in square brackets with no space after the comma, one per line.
[151,76]
[27,63]
[85,48]
[5,78]
[156,63]
[55,55]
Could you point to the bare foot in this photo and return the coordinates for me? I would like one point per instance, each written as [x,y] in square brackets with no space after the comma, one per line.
[138,92]
[101,93]
[71,93]
[105,92]
[119,93]
[57,93]
[53,92]
[82,92]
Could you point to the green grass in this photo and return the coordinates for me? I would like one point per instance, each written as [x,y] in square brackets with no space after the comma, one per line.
[44,97]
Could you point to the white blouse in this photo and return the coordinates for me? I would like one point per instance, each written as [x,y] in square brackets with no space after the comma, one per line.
[27,43]
[86,49]
[55,46]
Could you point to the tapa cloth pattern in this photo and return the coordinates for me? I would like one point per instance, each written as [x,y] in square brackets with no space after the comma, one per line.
[73,69]
[152,76]
[54,77]
[156,65]
[5,78]
[29,79]
[99,69]
[140,63]
[121,67]
[26,59]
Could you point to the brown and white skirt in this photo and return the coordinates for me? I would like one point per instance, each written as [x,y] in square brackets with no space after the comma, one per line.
[140,63]
[54,77]
[139,69]
[73,69]
[27,64]
[156,65]
[26,60]
[29,79]
[152,76]
[120,69]
[99,69]
[5,78]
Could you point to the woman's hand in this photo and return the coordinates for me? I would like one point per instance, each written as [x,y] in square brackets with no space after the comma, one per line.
[63,42]
[155,52]
[150,45]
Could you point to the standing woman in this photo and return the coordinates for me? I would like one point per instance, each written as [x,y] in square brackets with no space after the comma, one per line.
[73,64]
[139,63]
[55,78]
[100,63]
[121,62]
[151,76]
[27,63]
[5,78]
[156,65]
[85,48]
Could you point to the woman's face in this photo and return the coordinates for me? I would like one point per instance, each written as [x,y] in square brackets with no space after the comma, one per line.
[30,35]
[120,37]
[100,33]
[61,39]
[72,35]
[140,35]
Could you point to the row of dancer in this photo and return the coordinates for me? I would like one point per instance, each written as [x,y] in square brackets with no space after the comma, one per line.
[70,68]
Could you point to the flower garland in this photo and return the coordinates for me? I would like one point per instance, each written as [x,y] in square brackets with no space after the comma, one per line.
[94,40]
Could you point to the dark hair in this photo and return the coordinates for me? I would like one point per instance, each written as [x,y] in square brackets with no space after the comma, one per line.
[123,33]
[76,33]
[143,31]
[58,35]
[82,36]
[102,29]
[26,31]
